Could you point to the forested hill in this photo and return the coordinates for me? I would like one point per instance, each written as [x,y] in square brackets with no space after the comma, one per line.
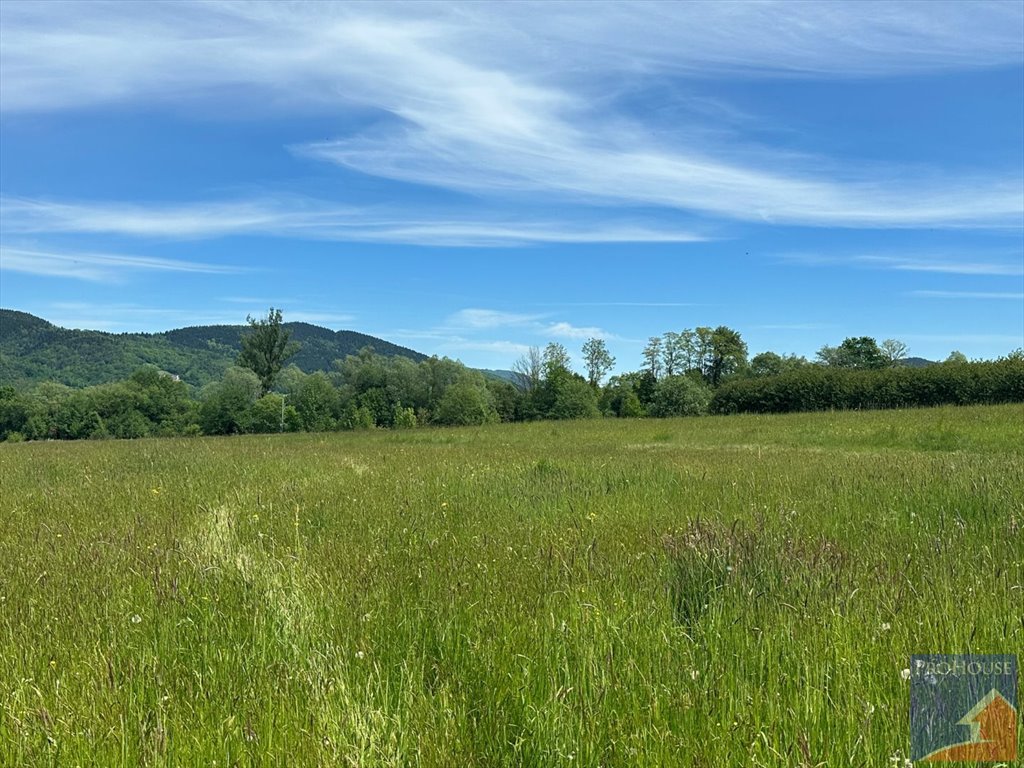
[33,350]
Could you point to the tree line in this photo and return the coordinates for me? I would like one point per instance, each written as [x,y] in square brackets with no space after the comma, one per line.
[686,373]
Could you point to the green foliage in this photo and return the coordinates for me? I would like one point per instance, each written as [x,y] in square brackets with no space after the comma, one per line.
[713,353]
[680,396]
[148,403]
[574,398]
[270,414]
[404,418]
[465,403]
[598,360]
[508,400]
[556,360]
[861,352]
[620,397]
[266,347]
[728,355]
[317,403]
[652,356]
[772,364]
[817,388]
[225,404]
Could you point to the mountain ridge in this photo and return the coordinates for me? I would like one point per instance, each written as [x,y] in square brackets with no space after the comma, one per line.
[32,350]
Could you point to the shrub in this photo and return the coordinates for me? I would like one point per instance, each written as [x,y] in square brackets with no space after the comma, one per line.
[680,396]
[465,404]
[816,388]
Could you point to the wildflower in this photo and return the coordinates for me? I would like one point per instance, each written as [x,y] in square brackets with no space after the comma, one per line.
[360,655]
[53,663]
[136,619]
[444,505]
[886,626]
[155,491]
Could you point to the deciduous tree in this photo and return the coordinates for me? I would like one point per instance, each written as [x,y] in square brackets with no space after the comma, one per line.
[652,356]
[597,360]
[266,348]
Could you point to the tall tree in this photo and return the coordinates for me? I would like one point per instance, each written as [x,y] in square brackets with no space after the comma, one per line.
[702,346]
[728,354]
[598,360]
[266,347]
[556,360]
[529,369]
[854,352]
[672,353]
[652,356]
[687,344]
[892,351]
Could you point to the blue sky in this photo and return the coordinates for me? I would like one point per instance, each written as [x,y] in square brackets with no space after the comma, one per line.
[472,179]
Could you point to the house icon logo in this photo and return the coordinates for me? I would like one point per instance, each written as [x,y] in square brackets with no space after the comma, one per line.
[963,708]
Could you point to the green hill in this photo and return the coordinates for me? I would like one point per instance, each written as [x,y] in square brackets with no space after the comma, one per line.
[33,350]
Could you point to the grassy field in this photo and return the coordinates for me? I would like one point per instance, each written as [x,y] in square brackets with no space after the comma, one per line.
[695,592]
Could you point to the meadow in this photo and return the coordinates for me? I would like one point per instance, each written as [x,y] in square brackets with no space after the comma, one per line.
[717,591]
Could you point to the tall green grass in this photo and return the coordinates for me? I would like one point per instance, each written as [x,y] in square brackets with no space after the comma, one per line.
[697,592]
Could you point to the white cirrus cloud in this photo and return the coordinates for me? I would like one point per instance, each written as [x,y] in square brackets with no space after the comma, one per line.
[520,99]
[490,318]
[534,324]
[569,331]
[96,267]
[317,220]
[993,264]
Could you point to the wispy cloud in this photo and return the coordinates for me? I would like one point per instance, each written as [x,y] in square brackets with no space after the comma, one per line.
[956,267]
[446,341]
[569,331]
[518,99]
[113,52]
[1000,264]
[96,267]
[534,324]
[317,220]
[984,295]
[490,318]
